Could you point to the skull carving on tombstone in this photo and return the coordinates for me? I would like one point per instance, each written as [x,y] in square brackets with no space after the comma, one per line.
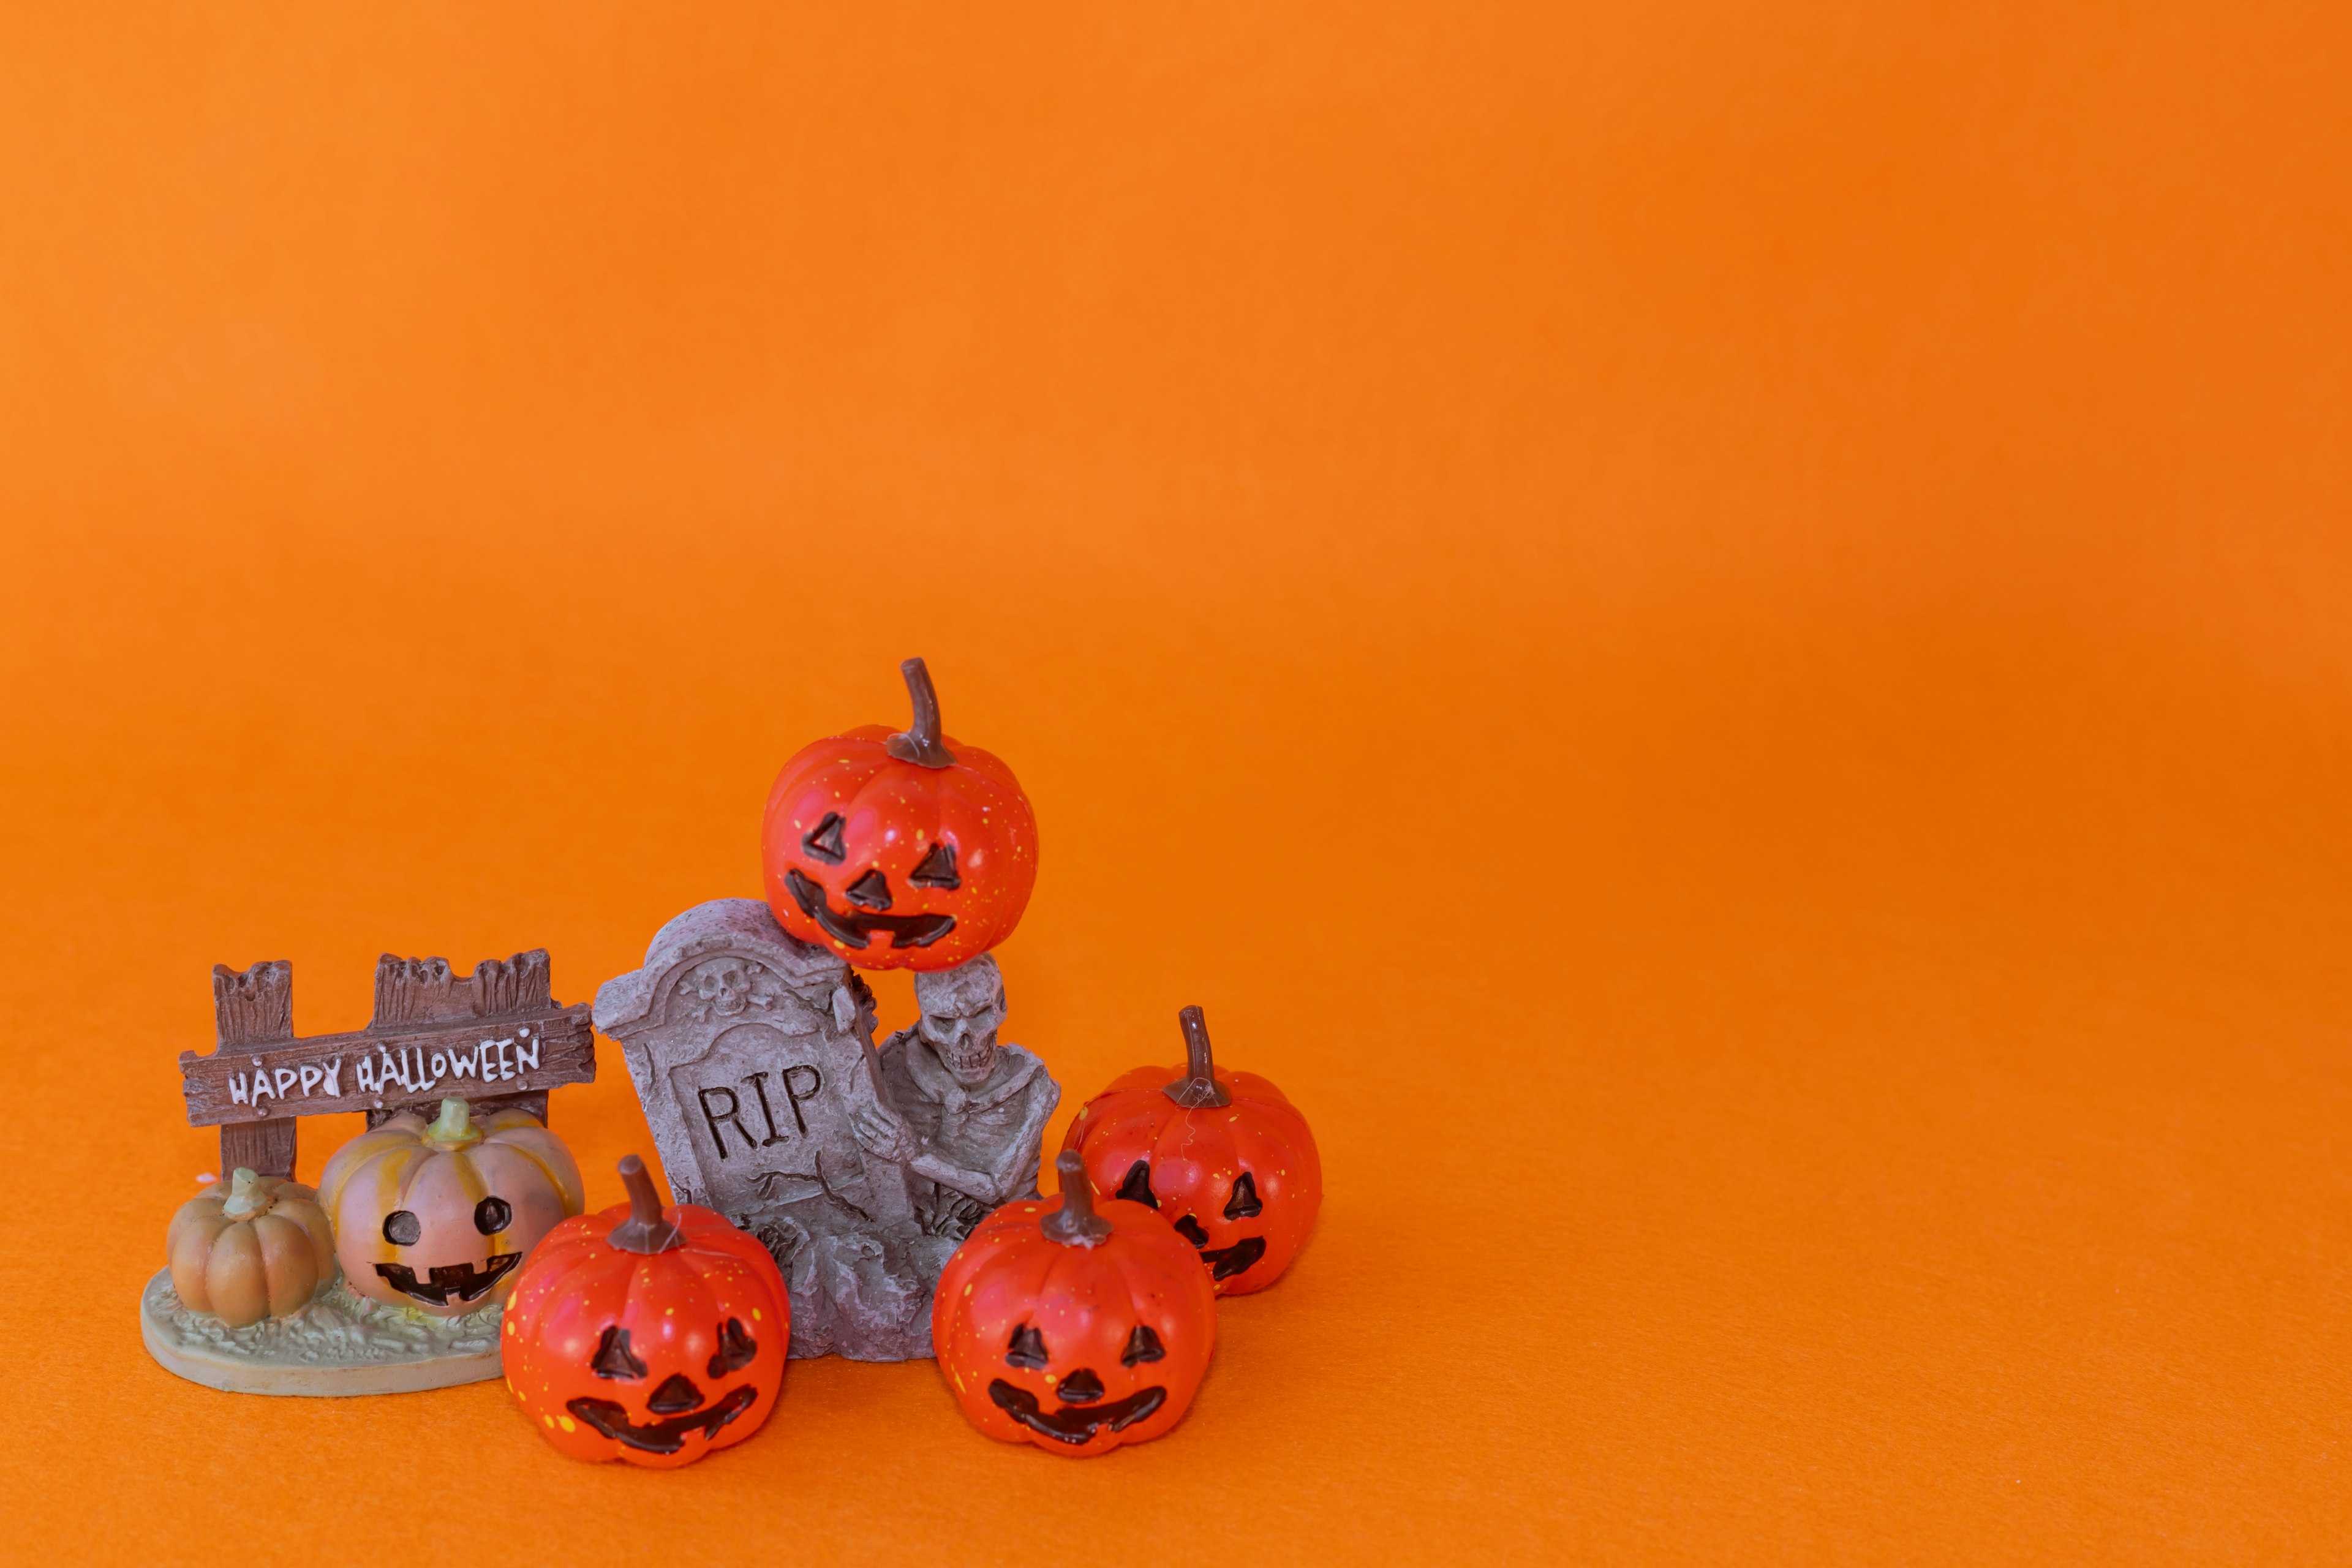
[723,986]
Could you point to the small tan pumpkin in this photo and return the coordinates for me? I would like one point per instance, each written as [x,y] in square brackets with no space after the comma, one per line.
[436,1216]
[250,1247]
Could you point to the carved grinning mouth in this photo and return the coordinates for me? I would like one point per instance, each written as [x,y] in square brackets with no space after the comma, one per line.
[465,1281]
[1076,1426]
[1223,1262]
[663,1436]
[856,929]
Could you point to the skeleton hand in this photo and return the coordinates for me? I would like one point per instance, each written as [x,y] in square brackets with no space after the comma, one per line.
[880,1131]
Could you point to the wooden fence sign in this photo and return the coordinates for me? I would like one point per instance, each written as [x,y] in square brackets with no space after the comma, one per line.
[498,1039]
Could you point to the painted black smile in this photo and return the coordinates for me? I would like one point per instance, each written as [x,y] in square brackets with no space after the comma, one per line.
[665,1437]
[1075,1426]
[465,1281]
[858,929]
[1223,1262]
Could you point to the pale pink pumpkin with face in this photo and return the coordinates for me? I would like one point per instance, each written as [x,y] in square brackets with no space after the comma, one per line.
[436,1216]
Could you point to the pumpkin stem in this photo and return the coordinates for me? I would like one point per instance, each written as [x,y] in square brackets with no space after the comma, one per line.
[646,1231]
[1075,1222]
[246,1198]
[453,1127]
[920,744]
[1198,1089]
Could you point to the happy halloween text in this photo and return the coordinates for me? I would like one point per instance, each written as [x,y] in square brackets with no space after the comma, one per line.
[415,1069]
[367,1070]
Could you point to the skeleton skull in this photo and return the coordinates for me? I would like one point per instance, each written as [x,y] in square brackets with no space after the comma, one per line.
[962,1009]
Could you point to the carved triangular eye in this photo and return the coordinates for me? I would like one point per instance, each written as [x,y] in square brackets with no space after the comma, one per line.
[1243,1202]
[1028,1349]
[614,1357]
[871,891]
[1137,1188]
[1191,1230]
[823,840]
[1142,1345]
[937,868]
[492,1216]
[737,1348]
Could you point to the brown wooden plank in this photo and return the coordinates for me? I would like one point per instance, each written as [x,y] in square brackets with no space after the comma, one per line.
[528,1053]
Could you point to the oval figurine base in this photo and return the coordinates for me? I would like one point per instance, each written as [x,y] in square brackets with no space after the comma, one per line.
[340,1344]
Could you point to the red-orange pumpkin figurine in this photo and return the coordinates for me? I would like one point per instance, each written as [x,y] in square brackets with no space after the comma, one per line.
[647,1335]
[905,851]
[1227,1160]
[1073,1325]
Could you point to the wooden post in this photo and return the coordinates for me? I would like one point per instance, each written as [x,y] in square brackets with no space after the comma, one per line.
[252,1010]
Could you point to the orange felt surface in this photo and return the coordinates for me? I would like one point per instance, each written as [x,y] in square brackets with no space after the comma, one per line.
[1721,634]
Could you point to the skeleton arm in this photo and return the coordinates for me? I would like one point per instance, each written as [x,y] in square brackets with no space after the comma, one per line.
[884,1132]
[1015,1173]
[975,1184]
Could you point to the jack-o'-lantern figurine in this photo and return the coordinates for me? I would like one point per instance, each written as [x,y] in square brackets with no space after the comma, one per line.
[250,1247]
[904,851]
[1073,1324]
[435,1218]
[648,1335]
[1227,1160]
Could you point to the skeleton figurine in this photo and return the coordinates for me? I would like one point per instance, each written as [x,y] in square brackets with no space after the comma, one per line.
[970,1112]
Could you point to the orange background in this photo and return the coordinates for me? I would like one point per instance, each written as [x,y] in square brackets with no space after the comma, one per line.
[1721,634]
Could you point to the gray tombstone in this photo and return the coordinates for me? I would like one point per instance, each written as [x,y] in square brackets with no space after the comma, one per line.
[751,1052]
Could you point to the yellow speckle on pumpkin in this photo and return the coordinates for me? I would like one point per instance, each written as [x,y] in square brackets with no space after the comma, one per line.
[550,1420]
[565,1422]
[670,1311]
[755,1314]
[510,1325]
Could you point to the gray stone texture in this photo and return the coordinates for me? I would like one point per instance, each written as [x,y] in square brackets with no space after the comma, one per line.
[754,1056]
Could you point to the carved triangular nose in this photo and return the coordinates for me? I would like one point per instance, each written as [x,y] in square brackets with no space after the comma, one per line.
[871,891]
[677,1396]
[1081,1387]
